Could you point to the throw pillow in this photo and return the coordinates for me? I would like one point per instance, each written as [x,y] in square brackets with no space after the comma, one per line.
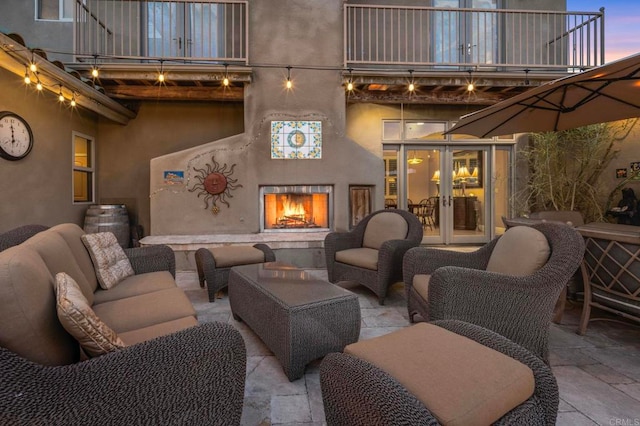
[111,263]
[77,317]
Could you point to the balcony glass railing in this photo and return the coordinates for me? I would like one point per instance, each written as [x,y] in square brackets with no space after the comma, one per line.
[172,30]
[463,38]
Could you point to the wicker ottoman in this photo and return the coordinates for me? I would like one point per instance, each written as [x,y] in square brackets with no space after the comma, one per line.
[213,264]
[298,317]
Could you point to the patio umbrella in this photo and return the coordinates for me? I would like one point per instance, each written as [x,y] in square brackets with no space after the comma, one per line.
[606,93]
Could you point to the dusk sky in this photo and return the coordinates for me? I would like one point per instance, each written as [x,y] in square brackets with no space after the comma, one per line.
[622,24]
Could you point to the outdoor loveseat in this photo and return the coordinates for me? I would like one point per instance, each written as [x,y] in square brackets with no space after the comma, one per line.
[169,370]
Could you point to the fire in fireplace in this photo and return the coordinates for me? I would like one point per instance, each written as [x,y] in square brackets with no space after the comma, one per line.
[296,208]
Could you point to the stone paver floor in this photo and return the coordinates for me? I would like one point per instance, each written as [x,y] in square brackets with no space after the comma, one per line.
[598,374]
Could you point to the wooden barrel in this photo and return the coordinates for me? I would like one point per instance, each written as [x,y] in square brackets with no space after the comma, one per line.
[108,218]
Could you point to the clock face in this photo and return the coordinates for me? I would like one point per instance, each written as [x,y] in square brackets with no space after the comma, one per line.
[16,139]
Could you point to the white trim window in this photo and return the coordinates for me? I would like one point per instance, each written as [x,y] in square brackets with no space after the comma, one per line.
[54,10]
[83,168]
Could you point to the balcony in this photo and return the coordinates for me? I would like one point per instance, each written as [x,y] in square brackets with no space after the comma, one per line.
[502,51]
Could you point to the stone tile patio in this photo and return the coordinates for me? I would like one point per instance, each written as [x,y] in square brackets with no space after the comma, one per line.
[598,374]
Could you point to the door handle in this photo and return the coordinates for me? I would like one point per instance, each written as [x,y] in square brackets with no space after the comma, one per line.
[444,201]
[449,200]
[179,40]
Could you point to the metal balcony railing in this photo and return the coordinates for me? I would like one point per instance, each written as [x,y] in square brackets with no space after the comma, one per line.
[462,38]
[172,30]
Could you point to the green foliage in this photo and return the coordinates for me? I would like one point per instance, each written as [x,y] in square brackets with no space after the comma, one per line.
[565,169]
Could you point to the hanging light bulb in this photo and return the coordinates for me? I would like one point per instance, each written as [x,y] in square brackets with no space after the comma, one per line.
[73,100]
[94,70]
[225,81]
[412,86]
[350,83]
[470,86]
[39,85]
[60,95]
[27,79]
[33,67]
[161,73]
[289,83]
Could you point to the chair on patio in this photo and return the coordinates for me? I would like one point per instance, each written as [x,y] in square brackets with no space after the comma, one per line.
[446,372]
[510,285]
[425,212]
[372,252]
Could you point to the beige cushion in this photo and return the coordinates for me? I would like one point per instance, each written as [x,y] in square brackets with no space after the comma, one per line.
[459,380]
[145,310]
[362,257]
[520,251]
[228,256]
[136,285]
[77,317]
[111,263]
[384,227]
[421,285]
[29,323]
[151,332]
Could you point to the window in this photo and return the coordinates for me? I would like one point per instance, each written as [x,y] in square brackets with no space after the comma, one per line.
[55,10]
[83,168]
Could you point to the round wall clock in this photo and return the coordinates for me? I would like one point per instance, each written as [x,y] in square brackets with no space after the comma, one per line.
[16,138]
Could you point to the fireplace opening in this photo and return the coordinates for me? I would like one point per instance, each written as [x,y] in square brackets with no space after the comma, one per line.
[296,208]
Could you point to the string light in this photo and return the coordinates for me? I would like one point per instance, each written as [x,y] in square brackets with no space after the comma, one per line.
[412,86]
[161,74]
[27,79]
[289,83]
[94,70]
[60,95]
[350,83]
[225,81]
[32,66]
[73,100]
[39,85]
[470,86]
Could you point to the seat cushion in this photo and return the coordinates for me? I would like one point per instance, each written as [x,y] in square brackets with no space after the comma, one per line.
[228,256]
[145,310]
[421,285]
[111,263]
[459,380]
[151,332]
[362,257]
[383,227]
[77,317]
[520,251]
[136,285]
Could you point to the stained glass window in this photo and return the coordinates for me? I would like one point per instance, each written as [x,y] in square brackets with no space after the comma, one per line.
[296,139]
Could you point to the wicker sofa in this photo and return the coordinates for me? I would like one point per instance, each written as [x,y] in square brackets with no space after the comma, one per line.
[172,370]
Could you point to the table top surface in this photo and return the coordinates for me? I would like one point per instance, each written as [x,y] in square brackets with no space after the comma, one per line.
[290,285]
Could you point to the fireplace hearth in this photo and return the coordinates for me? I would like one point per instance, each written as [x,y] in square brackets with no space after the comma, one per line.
[296,208]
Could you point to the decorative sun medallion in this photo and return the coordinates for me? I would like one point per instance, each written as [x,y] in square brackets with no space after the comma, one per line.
[215,184]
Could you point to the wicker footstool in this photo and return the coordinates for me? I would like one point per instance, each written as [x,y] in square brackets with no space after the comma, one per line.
[213,264]
[298,317]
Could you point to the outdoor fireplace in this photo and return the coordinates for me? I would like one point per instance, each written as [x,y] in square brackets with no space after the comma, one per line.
[296,208]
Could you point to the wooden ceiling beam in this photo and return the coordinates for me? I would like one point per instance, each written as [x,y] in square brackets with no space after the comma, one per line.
[175,93]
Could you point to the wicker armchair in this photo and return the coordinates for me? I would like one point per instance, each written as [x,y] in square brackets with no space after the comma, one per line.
[372,252]
[358,393]
[193,377]
[19,235]
[518,307]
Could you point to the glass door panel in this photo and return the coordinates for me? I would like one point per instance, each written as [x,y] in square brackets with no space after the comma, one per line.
[423,168]
[469,200]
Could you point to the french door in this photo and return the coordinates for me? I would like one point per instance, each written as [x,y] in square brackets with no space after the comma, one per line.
[465,36]
[447,186]
[180,29]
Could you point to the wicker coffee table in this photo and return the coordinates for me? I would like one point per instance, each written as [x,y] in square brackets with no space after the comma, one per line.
[298,317]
